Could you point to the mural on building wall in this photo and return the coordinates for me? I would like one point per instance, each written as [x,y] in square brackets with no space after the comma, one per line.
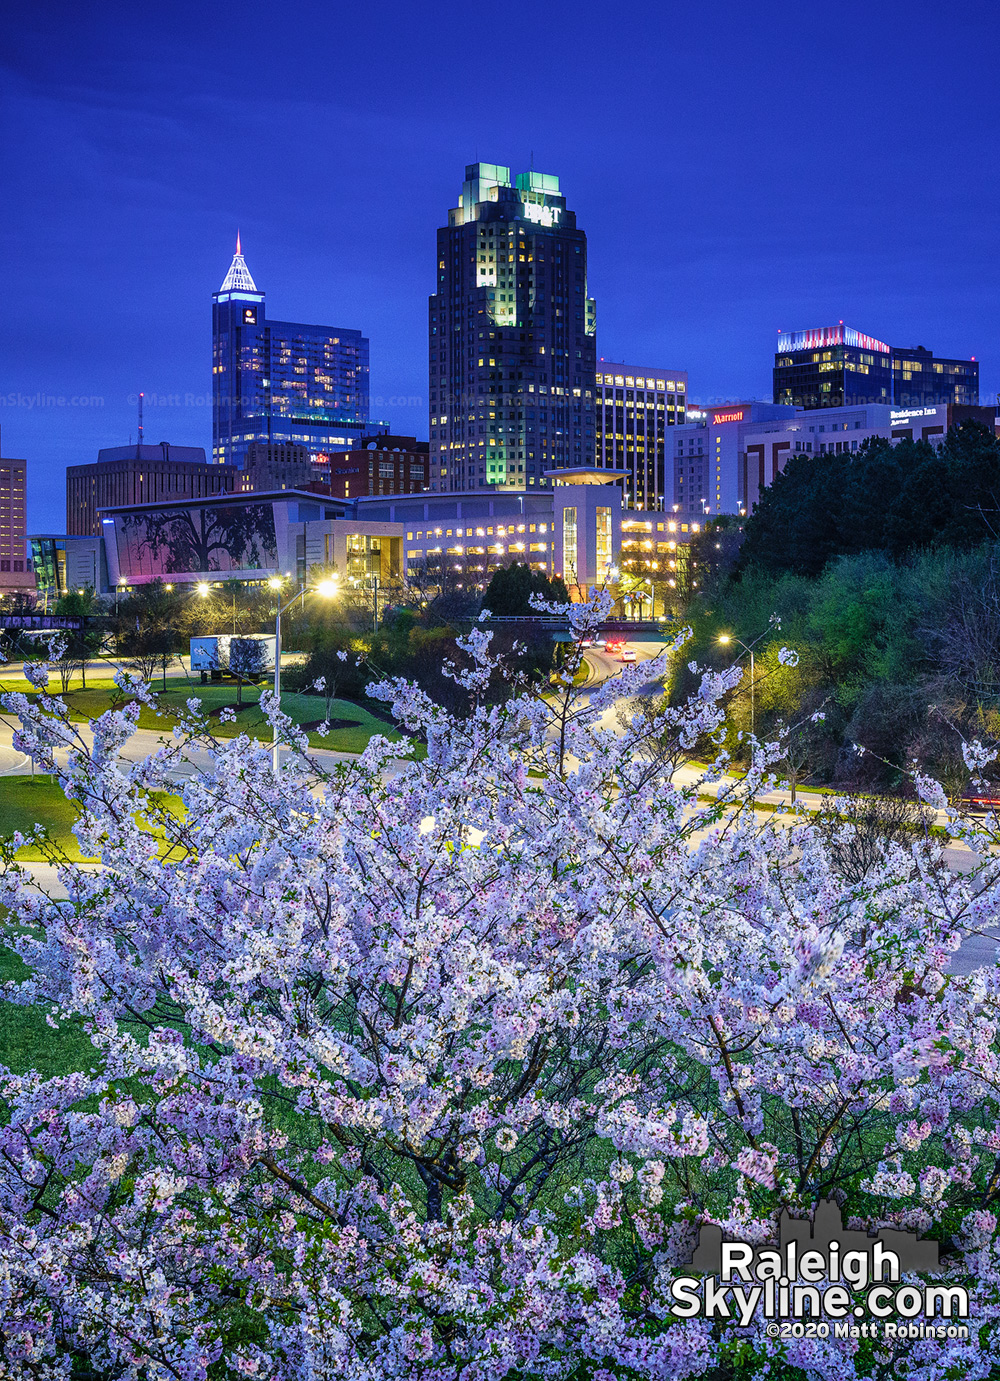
[183,541]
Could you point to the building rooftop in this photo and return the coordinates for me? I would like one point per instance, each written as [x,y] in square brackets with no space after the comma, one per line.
[239,277]
[584,474]
[252,496]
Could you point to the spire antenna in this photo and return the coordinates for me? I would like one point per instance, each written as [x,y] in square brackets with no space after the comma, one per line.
[239,277]
[141,396]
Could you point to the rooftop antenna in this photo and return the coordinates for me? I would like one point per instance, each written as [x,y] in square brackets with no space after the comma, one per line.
[141,396]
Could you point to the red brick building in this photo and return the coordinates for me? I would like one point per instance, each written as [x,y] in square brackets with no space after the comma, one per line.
[380,464]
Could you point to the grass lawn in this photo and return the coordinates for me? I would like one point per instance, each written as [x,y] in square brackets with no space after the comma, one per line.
[29,801]
[303,709]
[28,1042]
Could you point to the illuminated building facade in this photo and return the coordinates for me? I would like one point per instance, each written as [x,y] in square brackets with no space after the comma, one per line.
[511,336]
[15,568]
[837,366]
[381,464]
[708,456]
[571,527]
[830,367]
[281,382]
[636,406]
[724,457]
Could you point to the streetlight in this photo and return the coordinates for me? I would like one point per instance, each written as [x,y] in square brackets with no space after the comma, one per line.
[327,588]
[203,589]
[728,638]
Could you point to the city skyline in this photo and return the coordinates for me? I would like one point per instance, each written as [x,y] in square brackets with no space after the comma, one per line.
[706,233]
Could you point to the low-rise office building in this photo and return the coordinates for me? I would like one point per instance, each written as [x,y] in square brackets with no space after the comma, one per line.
[64,562]
[140,474]
[245,537]
[572,529]
[380,464]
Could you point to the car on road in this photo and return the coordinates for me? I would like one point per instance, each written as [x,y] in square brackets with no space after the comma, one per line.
[980,802]
[629,654]
[586,642]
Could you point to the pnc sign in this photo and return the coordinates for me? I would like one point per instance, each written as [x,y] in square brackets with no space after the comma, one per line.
[736,415]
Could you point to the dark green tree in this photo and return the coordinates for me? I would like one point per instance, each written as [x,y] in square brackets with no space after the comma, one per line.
[510,590]
[894,497]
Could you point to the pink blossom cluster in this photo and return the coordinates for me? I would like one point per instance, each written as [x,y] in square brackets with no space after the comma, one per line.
[432,1068]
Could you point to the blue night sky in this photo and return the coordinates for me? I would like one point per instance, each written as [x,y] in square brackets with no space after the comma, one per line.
[738,167]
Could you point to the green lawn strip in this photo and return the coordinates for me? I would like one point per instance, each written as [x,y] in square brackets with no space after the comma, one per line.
[87,704]
[29,801]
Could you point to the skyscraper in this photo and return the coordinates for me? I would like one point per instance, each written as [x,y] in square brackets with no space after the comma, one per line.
[281,382]
[635,405]
[512,336]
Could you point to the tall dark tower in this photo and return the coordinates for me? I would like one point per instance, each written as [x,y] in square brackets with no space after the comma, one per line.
[281,383]
[239,396]
[512,336]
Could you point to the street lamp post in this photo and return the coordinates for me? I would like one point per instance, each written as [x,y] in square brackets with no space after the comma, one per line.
[727,638]
[327,588]
[360,582]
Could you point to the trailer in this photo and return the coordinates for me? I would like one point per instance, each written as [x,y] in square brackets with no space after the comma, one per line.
[211,653]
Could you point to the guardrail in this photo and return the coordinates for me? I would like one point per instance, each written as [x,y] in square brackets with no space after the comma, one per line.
[70,621]
[608,626]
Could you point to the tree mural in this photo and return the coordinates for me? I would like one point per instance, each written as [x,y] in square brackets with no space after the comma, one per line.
[208,538]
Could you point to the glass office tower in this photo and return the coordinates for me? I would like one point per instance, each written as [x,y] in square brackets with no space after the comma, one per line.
[635,406]
[922,379]
[836,366]
[512,336]
[281,382]
[831,367]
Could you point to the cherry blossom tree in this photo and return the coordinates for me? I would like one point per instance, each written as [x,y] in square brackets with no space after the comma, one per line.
[432,1067]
